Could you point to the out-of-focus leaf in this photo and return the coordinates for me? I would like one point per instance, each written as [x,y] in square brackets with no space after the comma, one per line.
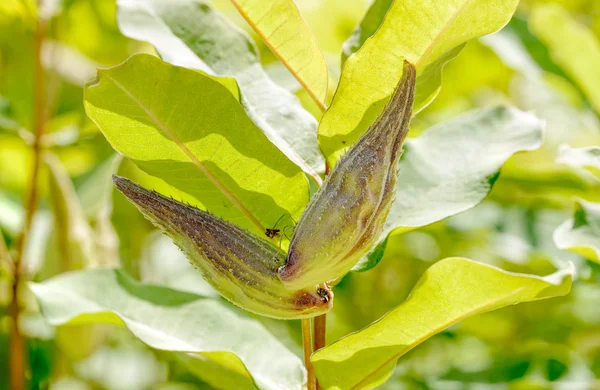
[163,263]
[11,217]
[169,320]
[122,368]
[285,33]
[73,233]
[572,45]
[432,33]
[580,158]
[448,292]
[452,167]
[7,121]
[367,27]
[5,259]
[222,370]
[189,130]
[67,62]
[581,234]
[192,34]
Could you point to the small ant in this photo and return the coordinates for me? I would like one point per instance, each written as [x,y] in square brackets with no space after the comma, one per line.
[272,233]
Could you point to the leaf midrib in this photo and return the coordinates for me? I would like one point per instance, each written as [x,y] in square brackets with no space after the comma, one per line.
[220,186]
[283,60]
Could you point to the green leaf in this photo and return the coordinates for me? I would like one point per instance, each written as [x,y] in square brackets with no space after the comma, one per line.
[448,292]
[572,46]
[367,27]
[452,167]
[580,158]
[222,370]
[432,33]
[190,131]
[581,234]
[192,34]
[169,320]
[287,35]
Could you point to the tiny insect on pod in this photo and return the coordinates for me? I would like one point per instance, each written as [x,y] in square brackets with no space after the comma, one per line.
[238,264]
[346,216]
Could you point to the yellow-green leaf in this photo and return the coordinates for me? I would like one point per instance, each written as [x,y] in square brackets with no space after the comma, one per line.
[191,33]
[189,130]
[426,33]
[581,234]
[222,370]
[449,291]
[572,45]
[286,34]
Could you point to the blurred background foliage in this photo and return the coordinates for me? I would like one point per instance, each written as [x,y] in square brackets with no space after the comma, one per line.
[83,222]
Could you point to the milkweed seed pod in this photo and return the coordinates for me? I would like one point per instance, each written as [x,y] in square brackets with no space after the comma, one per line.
[241,266]
[346,216]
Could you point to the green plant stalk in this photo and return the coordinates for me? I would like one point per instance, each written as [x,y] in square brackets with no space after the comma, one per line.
[17,341]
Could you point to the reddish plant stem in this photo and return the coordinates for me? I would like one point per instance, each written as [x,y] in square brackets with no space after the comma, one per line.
[307,346]
[319,335]
[17,341]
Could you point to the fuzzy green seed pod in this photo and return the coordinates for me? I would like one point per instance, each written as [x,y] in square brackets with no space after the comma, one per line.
[241,266]
[346,216]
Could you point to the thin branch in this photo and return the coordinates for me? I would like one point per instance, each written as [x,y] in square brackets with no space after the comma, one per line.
[17,342]
[307,346]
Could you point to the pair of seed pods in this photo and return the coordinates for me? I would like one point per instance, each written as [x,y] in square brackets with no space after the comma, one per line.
[340,225]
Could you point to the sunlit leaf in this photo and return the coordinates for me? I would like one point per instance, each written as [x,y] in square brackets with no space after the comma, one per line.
[188,130]
[169,320]
[431,33]
[448,292]
[452,167]
[285,33]
[192,34]
[367,27]
[581,234]
[572,46]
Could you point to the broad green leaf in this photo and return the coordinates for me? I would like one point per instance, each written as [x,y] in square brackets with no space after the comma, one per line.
[581,234]
[74,235]
[432,32]
[222,370]
[169,320]
[572,46]
[192,34]
[190,131]
[286,34]
[580,158]
[448,292]
[367,27]
[452,167]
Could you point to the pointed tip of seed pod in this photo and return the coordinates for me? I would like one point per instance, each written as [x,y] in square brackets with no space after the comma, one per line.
[122,183]
[131,190]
